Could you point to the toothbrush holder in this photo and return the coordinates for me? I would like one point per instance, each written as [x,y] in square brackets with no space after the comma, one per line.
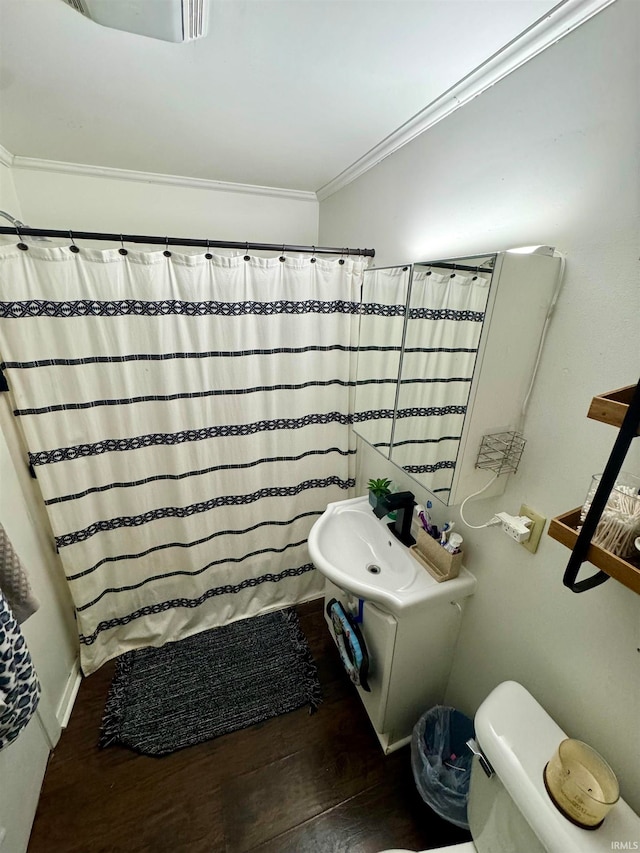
[431,555]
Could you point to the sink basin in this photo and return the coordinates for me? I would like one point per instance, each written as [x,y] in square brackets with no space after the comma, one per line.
[358,553]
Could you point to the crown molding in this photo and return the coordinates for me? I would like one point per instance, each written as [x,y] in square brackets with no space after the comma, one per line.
[6,157]
[557,23]
[33,163]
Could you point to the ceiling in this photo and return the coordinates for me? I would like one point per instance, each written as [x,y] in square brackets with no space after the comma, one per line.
[281,93]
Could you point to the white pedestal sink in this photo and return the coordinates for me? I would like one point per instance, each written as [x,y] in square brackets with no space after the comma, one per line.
[358,553]
[410,622]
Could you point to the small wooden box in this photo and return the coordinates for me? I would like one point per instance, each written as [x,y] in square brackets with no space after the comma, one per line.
[563,529]
[440,564]
[612,407]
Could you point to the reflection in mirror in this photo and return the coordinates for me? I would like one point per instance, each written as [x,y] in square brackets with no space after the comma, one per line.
[384,304]
[444,323]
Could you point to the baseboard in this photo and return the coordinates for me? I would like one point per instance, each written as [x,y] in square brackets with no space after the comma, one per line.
[65,706]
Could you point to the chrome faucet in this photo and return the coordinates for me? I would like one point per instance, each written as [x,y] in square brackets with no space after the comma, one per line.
[402,503]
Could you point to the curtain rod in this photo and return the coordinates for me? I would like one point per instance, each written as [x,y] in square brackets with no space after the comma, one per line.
[23,231]
[448,266]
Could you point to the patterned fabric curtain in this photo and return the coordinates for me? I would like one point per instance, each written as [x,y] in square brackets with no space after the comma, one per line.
[382,323]
[188,420]
[419,338]
[444,324]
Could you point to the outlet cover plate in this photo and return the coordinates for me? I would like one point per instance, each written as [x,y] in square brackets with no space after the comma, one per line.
[536,528]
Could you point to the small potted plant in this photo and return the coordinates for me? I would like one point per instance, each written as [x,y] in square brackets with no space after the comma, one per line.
[378,489]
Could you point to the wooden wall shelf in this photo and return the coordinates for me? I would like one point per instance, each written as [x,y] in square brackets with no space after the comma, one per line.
[563,529]
[610,408]
[619,408]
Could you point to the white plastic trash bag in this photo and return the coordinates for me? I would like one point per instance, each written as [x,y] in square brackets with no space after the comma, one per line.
[441,762]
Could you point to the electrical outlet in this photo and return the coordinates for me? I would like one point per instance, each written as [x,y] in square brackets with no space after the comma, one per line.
[514,526]
[536,528]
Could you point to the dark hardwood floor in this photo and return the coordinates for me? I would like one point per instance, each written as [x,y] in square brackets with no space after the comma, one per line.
[298,783]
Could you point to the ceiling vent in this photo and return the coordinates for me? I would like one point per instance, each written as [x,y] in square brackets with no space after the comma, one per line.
[169,20]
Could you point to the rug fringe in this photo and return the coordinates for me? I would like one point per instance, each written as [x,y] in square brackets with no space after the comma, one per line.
[115,704]
[117,718]
[310,670]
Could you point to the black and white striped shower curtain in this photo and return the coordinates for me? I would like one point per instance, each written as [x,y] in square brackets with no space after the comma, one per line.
[188,419]
[444,324]
[415,378]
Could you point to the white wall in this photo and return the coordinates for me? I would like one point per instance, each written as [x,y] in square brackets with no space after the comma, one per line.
[50,632]
[548,155]
[8,196]
[52,641]
[59,200]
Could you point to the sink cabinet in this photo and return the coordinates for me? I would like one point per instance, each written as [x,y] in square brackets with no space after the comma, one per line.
[410,659]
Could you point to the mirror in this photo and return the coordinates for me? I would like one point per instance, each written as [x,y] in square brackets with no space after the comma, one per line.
[383,308]
[420,331]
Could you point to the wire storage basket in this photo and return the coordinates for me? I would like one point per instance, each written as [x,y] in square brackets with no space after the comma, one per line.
[501,452]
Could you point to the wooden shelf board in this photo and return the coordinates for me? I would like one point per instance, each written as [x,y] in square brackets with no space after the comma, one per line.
[610,408]
[563,530]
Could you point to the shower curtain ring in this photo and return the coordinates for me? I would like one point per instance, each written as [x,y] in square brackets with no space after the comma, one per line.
[208,254]
[313,260]
[122,249]
[341,261]
[453,274]
[282,257]
[21,245]
[166,252]
[247,257]
[73,248]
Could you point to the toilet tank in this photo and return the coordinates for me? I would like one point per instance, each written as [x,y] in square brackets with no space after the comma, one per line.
[511,812]
[496,824]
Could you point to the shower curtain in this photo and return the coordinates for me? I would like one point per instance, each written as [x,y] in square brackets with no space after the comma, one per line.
[444,325]
[187,419]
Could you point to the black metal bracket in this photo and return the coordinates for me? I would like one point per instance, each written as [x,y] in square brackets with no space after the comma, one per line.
[626,435]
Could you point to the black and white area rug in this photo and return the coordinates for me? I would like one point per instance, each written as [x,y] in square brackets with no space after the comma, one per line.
[210,684]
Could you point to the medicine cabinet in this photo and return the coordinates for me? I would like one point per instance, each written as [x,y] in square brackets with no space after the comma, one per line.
[446,353]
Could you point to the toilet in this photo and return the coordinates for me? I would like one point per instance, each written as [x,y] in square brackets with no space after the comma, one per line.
[509,810]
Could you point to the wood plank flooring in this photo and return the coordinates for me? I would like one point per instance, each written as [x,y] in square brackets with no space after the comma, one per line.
[299,783]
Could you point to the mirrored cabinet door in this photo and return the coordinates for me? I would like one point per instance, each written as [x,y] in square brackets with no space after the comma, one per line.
[447,306]
[447,355]
[385,293]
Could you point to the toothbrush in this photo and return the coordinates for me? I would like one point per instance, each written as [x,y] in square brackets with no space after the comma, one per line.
[429,526]
[446,530]
[425,519]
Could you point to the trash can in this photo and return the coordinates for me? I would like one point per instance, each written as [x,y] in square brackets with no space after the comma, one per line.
[441,762]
